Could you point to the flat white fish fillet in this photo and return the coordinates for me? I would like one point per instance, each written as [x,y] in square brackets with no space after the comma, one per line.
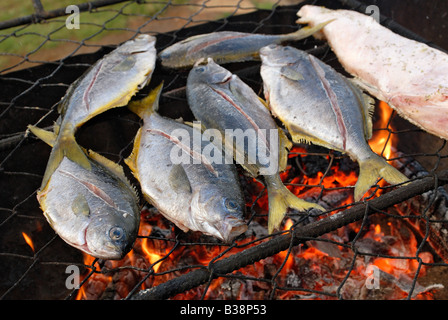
[409,75]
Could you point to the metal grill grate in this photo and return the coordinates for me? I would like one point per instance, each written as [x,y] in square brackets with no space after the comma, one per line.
[35,76]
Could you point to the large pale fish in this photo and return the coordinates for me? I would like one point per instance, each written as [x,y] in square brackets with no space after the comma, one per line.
[319,105]
[225,46]
[94,210]
[178,175]
[220,100]
[410,76]
[109,83]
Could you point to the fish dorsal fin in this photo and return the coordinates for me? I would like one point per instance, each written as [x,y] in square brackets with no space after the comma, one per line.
[46,136]
[301,137]
[147,105]
[131,161]
[115,168]
[367,104]
[263,102]
[178,179]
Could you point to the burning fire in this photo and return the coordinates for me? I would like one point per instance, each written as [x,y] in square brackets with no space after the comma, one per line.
[316,266]
[382,141]
[28,240]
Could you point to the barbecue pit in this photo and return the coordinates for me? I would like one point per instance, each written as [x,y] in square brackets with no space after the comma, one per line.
[390,246]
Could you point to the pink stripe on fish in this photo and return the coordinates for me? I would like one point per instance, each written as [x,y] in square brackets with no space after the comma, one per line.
[190,151]
[97,192]
[333,100]
[87,92]
[240,110]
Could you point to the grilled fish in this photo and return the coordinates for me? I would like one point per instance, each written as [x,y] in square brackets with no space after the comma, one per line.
[410,76]
[225,46]
[221,101]
[93,210]
[319,105]
[109,83]
[194,192]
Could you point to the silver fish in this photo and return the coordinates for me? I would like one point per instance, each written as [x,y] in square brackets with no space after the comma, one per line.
[226,46]
[220,100]
[109,83]
[197,193]
[319,105]
[93,210]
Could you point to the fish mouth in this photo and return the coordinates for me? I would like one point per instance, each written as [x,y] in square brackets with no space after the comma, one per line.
[83,247]
[230,228]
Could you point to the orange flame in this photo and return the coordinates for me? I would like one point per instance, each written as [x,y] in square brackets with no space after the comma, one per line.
[28,240]
[382,141]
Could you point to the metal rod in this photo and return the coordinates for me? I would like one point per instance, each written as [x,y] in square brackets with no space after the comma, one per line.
[43,15]
[300,235]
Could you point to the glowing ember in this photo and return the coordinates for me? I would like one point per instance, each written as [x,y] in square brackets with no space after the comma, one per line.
[28,240]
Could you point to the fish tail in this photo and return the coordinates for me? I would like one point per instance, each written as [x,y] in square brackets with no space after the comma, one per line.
[372,169]
[307,31]
[147,105]
[63,145]
[280,199]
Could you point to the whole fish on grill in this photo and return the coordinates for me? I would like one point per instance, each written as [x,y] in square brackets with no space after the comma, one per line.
[109,83]
[319,105]
[95,210]
[192,190]
[410,76]
[225,46]
[221,101]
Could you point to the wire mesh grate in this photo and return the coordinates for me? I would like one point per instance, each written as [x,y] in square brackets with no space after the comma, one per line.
[309,259]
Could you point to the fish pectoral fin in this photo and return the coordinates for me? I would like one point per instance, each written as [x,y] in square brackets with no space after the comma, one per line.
[291,73]
[280,199]
[80,206]
[371,170]
[46,136]
[147,105]
[178,179]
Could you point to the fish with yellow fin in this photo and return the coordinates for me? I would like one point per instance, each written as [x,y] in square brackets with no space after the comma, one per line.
[226,46]
[194,192]
[318,105]
[95,210]
[110,82]
[222,101]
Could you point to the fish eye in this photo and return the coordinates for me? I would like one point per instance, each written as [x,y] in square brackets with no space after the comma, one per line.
[200,69]
[116,233]
[231,204]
